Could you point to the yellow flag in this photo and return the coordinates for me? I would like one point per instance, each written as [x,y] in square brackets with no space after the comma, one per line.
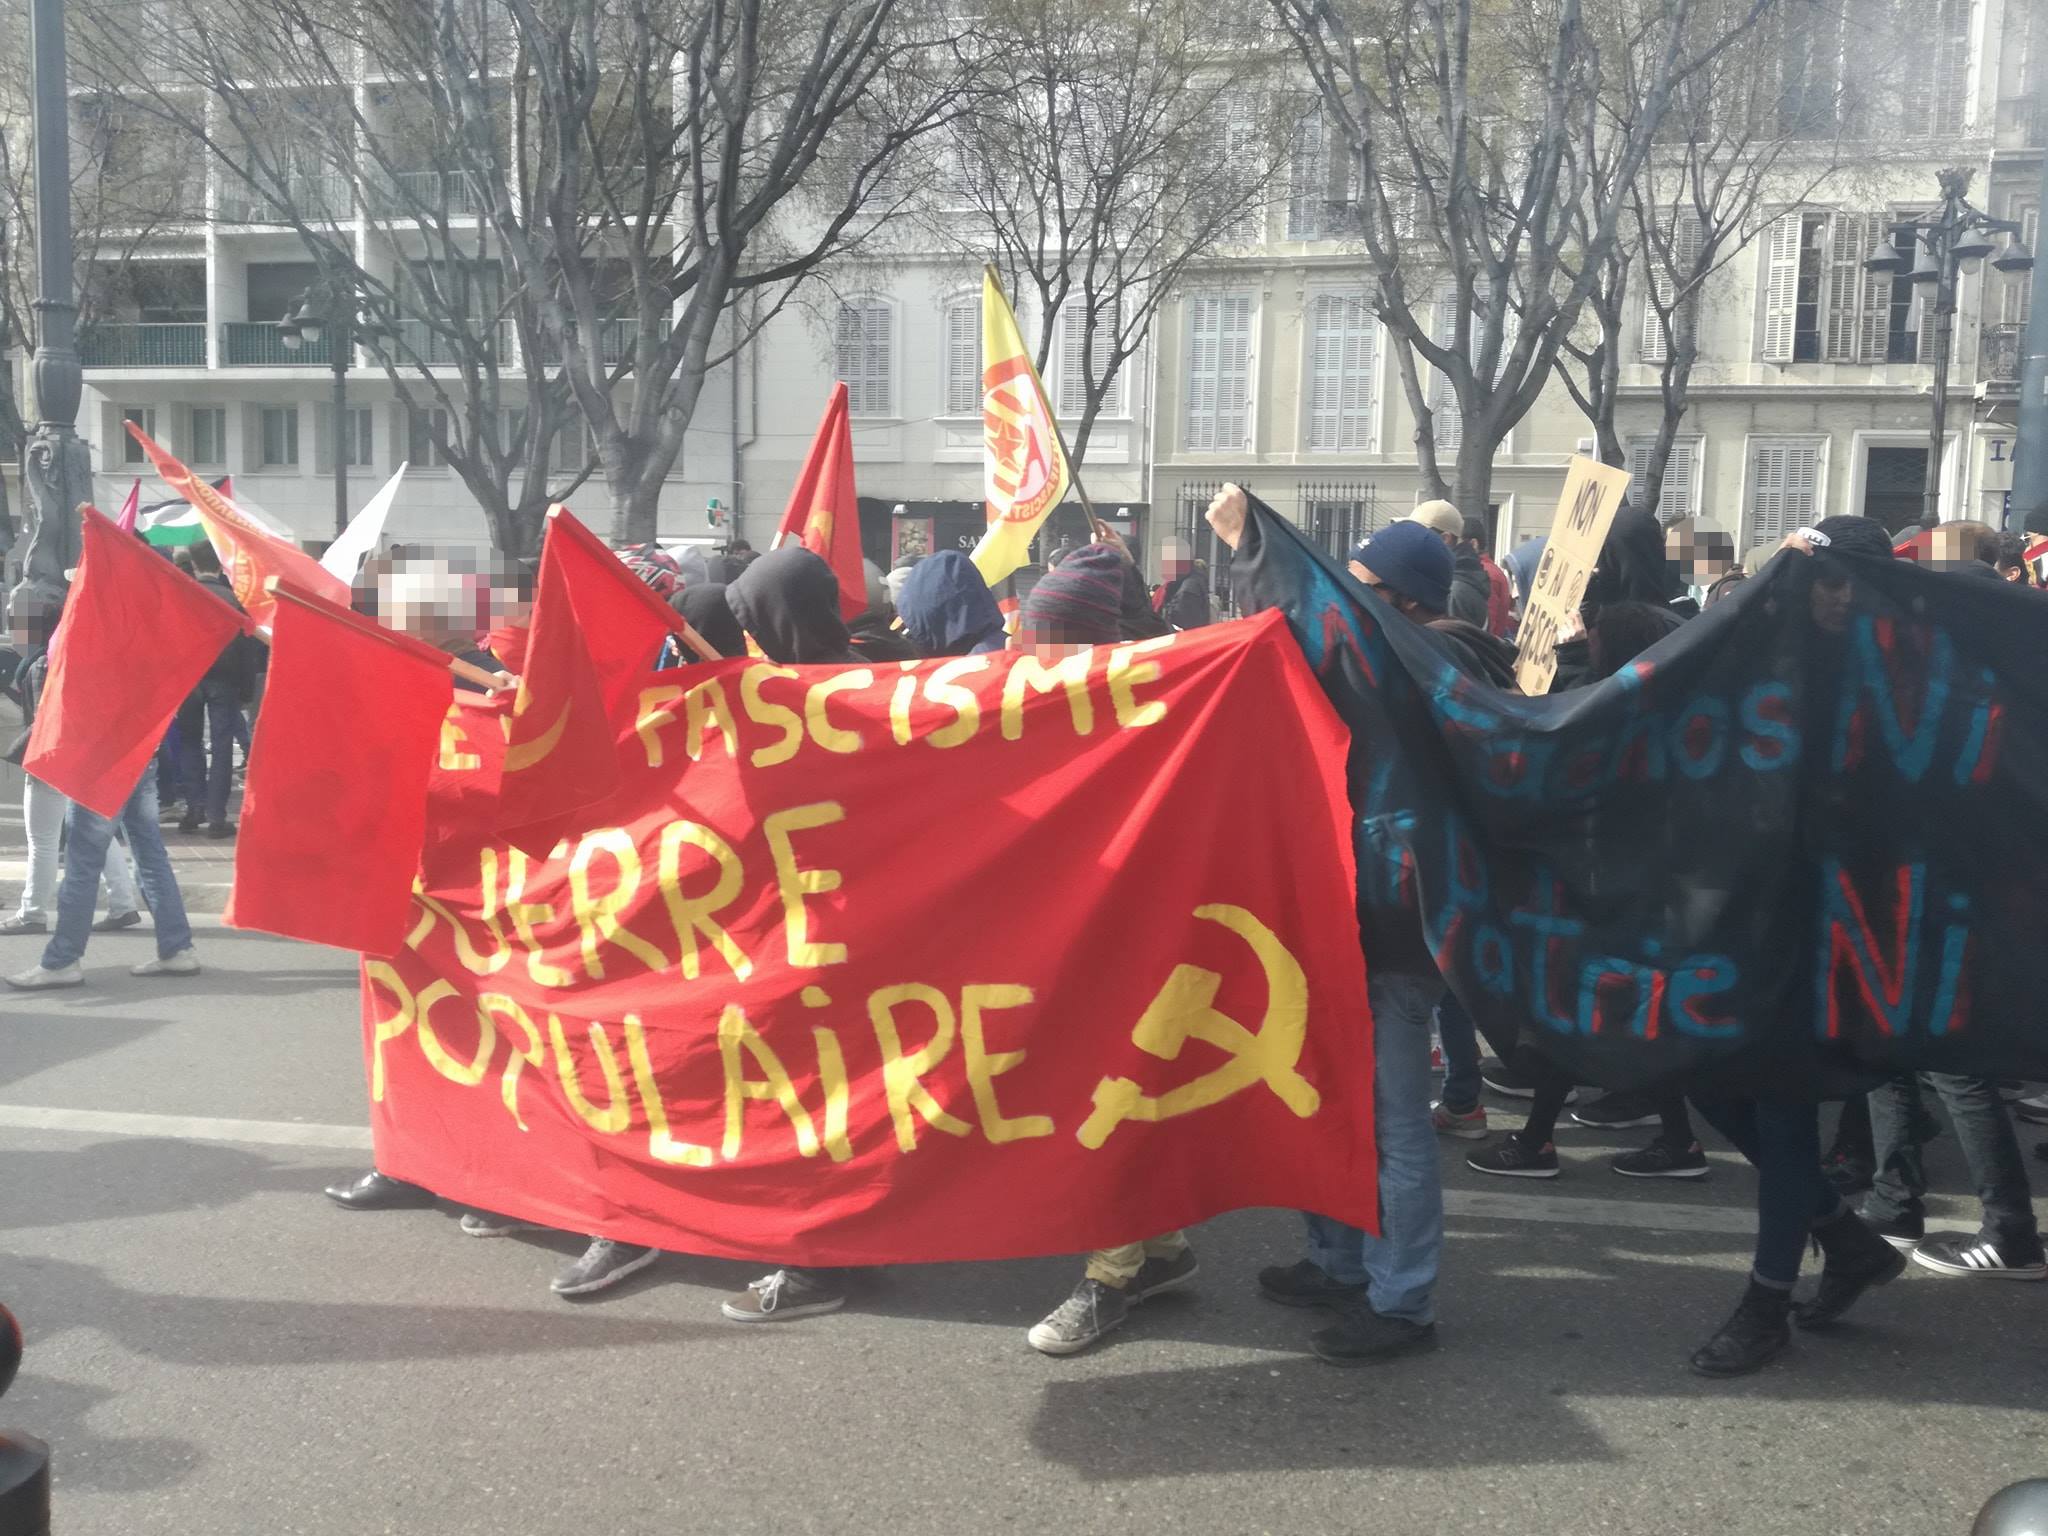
[1024,466]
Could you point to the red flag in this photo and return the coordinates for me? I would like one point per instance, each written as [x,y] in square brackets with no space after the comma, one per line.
[336,806]
[596,631]
[249,553]
[136,636]
[823,513]
[130,509]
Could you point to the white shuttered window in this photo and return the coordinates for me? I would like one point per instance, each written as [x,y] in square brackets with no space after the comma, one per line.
[1779,257]
[863,357]
[1675,498]
[1219,367]
[1342,347]
[1075,370]
[963,357]
[1665,279]
[1784,486]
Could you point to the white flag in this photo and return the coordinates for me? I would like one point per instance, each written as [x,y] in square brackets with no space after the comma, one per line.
[345,556]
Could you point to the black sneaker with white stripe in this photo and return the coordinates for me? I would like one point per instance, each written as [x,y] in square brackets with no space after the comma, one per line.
[1961,1254]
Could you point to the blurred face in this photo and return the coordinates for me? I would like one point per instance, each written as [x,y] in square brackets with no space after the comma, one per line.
[1176,559]
[1702,556]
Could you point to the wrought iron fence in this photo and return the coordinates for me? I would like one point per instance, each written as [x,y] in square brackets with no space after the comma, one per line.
[1336,514]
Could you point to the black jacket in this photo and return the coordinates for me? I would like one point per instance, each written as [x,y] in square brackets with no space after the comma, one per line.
[1471,592]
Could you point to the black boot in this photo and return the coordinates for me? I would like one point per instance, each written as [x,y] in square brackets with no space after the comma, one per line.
[1755,1333]
[1857,1259]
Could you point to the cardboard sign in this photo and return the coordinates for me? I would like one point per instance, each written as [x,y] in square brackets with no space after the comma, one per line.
[1592,495]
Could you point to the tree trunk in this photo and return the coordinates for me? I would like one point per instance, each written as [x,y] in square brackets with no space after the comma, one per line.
[1475,475]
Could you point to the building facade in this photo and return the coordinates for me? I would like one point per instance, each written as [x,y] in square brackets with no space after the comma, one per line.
[1811,394]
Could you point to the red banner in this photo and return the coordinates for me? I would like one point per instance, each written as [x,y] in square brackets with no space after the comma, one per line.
[965,959]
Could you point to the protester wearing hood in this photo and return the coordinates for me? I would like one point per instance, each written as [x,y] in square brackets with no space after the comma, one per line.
[948,610]
[1080,603]
[898,574]
[706,610]
[788,600]
[1635,567]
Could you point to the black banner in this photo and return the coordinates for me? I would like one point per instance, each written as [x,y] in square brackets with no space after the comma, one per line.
[1801,841]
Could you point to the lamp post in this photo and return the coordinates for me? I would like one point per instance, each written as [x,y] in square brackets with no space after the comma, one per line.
[331,311]
[1946,243]
[56,473]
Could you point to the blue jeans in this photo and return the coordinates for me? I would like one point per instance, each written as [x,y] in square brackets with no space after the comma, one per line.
[1398,1268]
[1461,1055]
[85,855]
[1990,1149]
[1782,1142]
[207,759]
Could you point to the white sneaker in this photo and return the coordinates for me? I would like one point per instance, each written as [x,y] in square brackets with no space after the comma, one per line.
[183,963]
[37,979]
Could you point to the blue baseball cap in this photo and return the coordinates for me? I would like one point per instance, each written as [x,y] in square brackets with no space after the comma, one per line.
[1411,559]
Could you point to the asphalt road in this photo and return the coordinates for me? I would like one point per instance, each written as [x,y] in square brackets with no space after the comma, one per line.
[214,1348]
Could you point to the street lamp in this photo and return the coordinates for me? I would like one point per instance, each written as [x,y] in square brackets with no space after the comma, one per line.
[1954,237]
[320,310]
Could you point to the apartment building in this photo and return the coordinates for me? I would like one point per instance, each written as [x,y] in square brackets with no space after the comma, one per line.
[1812,392]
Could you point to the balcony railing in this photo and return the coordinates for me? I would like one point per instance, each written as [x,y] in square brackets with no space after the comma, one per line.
[315,198]
[418,342]
[258,343]
[615,341]
[144,346]
[410,192]
[1998,361]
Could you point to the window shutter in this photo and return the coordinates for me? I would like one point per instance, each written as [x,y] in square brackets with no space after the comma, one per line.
[1326,373]
[1842,337]
[1665,279]
[1308,176]
[1073,361]
[963,358]
[1234,374]
[1638,468]
[1361,349]
[1675,500]
[1448,428]
[1205,326]
[1784,486]
[875,325]
[1780,286]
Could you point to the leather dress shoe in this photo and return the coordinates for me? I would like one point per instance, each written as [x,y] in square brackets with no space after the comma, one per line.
[377,1192]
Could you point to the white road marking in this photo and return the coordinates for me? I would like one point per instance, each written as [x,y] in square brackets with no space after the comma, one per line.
[1559,1210]
[106,1122]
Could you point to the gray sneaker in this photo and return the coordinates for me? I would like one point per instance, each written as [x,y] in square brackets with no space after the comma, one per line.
[603,1265]
[783,1297]
[1161,1275]
[490,1224]
[1093,1310]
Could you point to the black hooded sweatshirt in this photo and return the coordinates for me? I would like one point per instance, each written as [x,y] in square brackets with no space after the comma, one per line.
[788,600]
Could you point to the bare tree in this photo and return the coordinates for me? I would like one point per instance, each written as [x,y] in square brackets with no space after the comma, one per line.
[1110,149]
[692,153]
[1494,181]
[382,133]
[1755,135]
[126,186]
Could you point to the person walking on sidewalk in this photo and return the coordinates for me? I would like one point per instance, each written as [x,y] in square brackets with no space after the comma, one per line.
[211,720]
[90,836]
[42,808]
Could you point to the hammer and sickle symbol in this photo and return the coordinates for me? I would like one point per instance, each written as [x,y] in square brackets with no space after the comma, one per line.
[1185,1010]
